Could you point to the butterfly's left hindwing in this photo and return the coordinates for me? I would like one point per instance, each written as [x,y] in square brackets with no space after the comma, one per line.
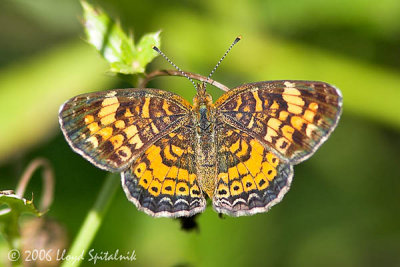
[162,181]
[112,128]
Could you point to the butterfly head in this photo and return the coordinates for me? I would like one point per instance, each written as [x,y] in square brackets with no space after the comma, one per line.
[202,98]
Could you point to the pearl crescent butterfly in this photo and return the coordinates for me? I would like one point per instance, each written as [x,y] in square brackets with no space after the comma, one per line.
[239,151]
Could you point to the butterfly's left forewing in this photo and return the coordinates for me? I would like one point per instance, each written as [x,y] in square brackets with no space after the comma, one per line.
[112,128]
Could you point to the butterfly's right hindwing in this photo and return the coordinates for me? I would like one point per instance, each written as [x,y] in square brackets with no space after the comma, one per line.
[251,177]
[112,128]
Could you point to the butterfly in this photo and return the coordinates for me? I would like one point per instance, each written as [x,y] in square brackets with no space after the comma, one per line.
[239,151]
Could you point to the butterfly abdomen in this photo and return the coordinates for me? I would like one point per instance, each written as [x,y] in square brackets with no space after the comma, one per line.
[205,144]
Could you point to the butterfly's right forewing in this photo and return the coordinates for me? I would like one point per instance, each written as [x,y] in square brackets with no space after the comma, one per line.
[291,117]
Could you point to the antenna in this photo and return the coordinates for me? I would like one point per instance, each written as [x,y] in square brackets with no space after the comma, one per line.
[175,66]
[222,58]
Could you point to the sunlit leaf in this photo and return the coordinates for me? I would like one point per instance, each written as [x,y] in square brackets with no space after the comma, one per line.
[145,53]
[115,45]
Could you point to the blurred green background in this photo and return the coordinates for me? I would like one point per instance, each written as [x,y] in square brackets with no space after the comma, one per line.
[343,206]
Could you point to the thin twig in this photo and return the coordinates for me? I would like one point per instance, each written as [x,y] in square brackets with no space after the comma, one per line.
[48,182]
[195,76]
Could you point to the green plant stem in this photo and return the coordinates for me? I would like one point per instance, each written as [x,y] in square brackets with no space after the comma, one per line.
[92,222]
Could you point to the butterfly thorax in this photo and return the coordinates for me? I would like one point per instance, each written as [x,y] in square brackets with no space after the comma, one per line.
[205,148]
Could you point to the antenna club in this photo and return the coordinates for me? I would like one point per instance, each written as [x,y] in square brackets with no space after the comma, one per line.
[237,39]
[155,48]
[222,58]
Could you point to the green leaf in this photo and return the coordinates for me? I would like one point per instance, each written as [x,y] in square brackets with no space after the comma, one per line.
[146,53]
[12,208]
[115,45]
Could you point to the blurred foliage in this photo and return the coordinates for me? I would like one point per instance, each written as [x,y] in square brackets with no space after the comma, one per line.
[343,205]
[32,91]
